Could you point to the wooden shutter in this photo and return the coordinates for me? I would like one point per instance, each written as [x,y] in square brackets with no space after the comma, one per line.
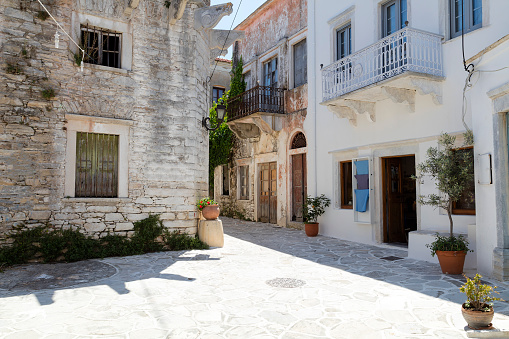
[300,63]
[96,165]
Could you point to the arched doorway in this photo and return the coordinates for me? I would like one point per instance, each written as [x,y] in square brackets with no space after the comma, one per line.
[298,175]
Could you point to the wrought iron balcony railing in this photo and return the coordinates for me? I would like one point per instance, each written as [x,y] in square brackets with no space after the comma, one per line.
[407,50]
[258,99]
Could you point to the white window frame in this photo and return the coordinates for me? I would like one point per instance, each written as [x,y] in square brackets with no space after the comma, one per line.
[350,42]
[126,57]
[340,21]
[82,123]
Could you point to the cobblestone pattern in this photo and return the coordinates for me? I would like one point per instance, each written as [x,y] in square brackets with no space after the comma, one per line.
[162,95]
[350,292]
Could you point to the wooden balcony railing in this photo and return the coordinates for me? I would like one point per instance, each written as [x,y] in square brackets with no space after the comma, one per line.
[258,99]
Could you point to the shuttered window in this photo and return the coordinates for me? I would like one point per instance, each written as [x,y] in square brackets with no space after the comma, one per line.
[300,62]
[244,182]
[96,165]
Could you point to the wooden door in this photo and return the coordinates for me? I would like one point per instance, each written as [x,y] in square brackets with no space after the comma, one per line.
[394,199]
[299,189]
[267,206]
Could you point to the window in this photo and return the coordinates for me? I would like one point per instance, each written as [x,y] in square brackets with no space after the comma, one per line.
[473,16]
[394,16]
[226,180]
[96,165]
[300,61]
[466,204]
[343,42]
[217,93]
[345,170]
[247,80]
[270,73]
[102,47]
[244,182]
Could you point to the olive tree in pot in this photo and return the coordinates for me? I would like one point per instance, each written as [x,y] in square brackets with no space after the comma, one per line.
[478,309]
[452,171]
[311,210]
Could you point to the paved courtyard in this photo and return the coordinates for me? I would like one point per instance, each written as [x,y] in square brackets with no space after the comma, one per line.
[267,282]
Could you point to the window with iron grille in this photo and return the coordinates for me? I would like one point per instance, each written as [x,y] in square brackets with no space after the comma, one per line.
[472,11]
[96,165]
[300,63]
[102,47]
[244,182]
[217,93]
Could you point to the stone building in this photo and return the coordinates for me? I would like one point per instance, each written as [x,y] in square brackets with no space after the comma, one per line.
[101,148]
[266,180]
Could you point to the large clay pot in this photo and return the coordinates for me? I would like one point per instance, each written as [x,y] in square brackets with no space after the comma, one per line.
[451,262]
[210,212]
[477,319]
[311,229]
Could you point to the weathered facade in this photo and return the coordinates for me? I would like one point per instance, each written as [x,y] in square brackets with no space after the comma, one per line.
[220,80]
[266,180]
[149,105]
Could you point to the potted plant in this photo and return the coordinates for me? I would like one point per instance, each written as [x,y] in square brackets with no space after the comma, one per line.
[209,208]
[452,171]
[311,210]
[478,309]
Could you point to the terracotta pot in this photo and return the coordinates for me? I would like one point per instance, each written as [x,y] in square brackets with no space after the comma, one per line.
[451,262]
[210,212]
[477,319]
[311,229]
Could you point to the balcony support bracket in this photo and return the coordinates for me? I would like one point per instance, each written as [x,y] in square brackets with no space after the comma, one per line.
[362,107]
[244,130]
[344,112]
[401,96]
[425,87]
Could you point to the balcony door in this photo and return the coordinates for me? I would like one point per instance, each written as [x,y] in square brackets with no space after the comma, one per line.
[267,203]
[394,18]
[269,98]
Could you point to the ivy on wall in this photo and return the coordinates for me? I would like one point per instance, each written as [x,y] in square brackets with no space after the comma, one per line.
[222,139]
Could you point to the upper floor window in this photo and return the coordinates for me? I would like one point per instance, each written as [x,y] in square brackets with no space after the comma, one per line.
[270,73]
[300,62]
[217,93]
[247,80]
[343,42]
[102,47]
[394,16]
[466,14]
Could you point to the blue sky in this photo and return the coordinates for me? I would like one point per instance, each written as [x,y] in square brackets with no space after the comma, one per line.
[247,7]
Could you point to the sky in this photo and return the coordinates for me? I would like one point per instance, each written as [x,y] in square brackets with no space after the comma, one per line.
[247,7]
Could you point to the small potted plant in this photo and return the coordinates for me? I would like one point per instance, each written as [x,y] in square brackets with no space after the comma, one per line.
[452,171]
[478,309]
[311,210]
[209,208]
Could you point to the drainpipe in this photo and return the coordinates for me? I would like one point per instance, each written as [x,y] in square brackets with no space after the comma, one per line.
[312,89]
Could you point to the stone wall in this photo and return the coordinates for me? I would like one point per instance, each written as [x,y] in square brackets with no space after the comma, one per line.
[160,93]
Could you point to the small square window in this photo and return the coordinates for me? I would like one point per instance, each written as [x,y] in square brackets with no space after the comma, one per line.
[102,47]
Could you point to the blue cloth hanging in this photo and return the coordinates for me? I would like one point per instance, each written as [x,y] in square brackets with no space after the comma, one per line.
[361,200]
[362,181]
[362,167]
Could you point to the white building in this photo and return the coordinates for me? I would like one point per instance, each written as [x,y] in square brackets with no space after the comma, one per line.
[392,82]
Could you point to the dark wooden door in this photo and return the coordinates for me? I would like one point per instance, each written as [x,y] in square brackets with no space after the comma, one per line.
[267,206]
[394,201]
[299,185]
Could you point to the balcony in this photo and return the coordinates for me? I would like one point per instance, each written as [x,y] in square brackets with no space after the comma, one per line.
[255,110]
[396,67]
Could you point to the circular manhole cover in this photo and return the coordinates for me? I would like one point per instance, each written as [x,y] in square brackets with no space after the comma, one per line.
[285,282]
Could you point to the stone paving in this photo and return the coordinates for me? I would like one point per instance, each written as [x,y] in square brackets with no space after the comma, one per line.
[267,282]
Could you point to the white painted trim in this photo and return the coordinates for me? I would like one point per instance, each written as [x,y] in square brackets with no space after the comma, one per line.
[340,21]
[80,123]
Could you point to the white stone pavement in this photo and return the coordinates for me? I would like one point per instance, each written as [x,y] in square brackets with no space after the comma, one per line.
[347,291]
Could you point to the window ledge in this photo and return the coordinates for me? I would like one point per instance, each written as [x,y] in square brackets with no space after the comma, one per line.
[97,200]
[446,41]
[106,68]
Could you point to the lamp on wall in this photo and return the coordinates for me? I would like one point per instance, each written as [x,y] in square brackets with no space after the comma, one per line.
[221,111]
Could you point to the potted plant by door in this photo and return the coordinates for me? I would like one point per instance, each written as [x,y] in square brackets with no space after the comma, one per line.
[209,208]
[478,309]
[451,171]
[311,210]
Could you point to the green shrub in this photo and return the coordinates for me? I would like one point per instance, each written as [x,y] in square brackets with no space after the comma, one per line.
[176,241]
[48,93]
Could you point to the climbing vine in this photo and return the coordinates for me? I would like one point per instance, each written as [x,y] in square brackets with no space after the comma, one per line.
[222,139]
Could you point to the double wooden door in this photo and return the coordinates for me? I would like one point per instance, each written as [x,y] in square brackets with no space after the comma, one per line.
[267,206]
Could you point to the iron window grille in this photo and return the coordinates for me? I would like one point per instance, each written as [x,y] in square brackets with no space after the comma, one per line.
[102,47]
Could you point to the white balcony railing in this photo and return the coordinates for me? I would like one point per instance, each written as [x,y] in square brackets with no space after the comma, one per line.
[407,50]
